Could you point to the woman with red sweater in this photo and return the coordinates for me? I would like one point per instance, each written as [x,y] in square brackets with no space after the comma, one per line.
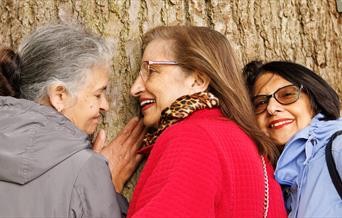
[207,157]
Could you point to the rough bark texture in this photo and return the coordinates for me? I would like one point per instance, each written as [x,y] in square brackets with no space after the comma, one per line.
[306,31]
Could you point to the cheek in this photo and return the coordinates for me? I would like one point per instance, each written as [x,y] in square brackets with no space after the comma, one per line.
[176,91]
[304,113]
[261,121]
[170,97]
[91,107]
[94,106]
[161,92]
[164,101]
[305,119]
[167,90]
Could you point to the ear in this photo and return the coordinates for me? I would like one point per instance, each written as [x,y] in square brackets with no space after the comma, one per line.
[200,82]
[58,97]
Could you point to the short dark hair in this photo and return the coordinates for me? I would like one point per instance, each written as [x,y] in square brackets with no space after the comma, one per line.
[323,97]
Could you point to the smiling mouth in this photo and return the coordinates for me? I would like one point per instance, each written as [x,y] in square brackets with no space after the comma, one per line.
[145,104]
[279,124]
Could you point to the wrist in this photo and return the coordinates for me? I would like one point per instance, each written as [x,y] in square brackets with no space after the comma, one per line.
[118,185]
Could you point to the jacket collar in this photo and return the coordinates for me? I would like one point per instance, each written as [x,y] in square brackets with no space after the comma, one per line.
[302,147]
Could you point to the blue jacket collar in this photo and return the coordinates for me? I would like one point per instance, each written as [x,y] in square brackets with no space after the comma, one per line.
[302,147]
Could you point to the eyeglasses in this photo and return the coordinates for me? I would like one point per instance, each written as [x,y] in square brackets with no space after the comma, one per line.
[284,95]
[146,70]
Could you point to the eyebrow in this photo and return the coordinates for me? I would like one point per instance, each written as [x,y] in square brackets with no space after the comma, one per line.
[103,88]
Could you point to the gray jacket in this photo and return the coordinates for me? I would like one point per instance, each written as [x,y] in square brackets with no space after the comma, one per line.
[47,168]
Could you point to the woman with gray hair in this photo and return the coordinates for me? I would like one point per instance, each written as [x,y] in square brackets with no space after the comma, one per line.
[48,169]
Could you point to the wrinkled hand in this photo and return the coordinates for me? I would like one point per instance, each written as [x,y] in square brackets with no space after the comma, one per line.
[121,153]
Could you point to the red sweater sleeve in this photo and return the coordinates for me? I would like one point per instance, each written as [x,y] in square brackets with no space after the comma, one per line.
[187,174]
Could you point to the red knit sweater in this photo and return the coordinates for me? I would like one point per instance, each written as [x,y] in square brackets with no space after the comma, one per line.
[204,166]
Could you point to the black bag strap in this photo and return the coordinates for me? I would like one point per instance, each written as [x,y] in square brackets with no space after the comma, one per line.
[335,177]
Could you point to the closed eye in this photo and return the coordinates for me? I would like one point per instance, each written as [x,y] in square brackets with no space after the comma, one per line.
[153,70]
[286,95]
[101,91]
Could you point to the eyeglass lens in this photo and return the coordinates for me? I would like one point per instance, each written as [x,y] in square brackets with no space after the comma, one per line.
[144,71]
[284,95]
[147,67]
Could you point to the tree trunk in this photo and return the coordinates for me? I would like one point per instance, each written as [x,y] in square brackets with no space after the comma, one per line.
[305,31]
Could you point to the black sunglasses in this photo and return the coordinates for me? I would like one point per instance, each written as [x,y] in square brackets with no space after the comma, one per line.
[285,95]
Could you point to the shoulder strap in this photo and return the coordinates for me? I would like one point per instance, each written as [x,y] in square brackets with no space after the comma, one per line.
[335,177]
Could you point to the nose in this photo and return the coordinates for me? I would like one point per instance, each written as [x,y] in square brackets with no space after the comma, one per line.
[138,87]
[104,103]
[273,107]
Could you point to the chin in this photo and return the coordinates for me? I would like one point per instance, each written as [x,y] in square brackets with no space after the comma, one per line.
[150,123]
[90,131]
[280,142]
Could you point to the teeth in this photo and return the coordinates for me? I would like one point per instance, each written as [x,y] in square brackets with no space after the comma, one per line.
[280,123]
[143,103]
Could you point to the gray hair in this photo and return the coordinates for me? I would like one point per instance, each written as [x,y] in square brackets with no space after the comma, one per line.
[63,54]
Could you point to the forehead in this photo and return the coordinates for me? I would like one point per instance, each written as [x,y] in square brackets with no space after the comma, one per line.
[97,78]
[269,82]
[158,50]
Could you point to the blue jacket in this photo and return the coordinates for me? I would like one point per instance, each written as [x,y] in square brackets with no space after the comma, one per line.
[302,168]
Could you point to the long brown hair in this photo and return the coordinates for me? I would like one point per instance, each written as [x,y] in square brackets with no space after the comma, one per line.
[207,51]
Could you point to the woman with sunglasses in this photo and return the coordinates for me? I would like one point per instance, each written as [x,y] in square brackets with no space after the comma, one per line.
[299,111]
[202,161]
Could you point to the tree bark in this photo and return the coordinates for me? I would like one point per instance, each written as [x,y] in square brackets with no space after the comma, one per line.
[305,31]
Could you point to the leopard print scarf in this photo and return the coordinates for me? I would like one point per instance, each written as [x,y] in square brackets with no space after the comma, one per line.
[178,110]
